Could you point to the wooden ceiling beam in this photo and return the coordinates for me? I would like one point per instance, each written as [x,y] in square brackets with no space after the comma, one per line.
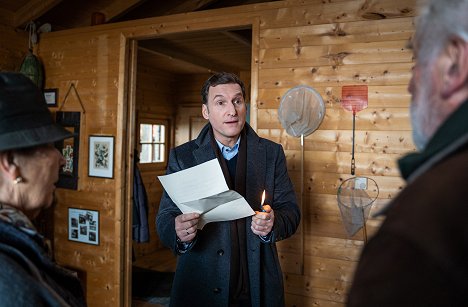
[156,56]
[187,57]
[188,6]
[117,8]
[238,38]
[32,10]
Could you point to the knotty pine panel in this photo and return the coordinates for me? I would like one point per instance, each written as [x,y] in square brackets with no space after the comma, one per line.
[333,248]
[336,11]
[376,74]
[367,164]
[316,289]
[336,55]
[328,183]
[373,119]
[338,33]
[387,142]
[154,99]
[378,96]
[189,93]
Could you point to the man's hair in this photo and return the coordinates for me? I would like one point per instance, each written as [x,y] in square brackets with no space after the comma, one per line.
[438,23]
[220,78]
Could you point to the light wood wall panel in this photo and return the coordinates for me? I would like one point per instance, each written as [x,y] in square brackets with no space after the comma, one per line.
[189,105]
[86,61]
[327,52]
[391,142]
[379,96]
[382,30]
[323,44]
[154,100]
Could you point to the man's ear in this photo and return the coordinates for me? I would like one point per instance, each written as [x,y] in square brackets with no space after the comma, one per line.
[456,74]
[205,111]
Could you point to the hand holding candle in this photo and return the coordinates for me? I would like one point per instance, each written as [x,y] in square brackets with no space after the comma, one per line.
[263,220]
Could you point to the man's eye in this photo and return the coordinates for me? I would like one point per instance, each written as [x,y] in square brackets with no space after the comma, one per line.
[219,102]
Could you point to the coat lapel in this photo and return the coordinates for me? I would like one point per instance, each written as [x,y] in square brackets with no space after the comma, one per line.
[256,169]
[204,152]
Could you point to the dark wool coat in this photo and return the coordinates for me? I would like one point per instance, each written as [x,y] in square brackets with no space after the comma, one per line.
[29,277]
[419,256]
[203,273]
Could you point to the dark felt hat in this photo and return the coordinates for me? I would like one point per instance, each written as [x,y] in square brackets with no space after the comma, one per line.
[25,119]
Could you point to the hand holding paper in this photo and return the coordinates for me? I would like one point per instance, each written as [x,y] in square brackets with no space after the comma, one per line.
[203,189]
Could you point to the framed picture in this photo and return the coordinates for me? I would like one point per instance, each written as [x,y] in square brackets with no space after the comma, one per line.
[70,148]
[101,156]
[51,96]
[83,226]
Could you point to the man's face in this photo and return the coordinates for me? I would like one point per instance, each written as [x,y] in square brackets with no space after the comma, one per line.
[424,88]
[226,110]
[40,171]
[420,90]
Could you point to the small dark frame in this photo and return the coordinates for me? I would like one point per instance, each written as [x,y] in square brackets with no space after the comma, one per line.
[70,148]
[87,229]
[51,96]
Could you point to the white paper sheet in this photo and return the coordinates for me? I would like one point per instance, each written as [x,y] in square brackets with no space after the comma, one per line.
[202,189]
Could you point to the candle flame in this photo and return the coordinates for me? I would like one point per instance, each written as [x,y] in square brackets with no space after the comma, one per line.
[263,198]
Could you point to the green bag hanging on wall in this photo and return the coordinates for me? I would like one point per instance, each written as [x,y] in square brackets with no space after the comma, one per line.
[32,68]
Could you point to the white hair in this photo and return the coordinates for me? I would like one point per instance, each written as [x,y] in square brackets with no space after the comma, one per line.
[439,22]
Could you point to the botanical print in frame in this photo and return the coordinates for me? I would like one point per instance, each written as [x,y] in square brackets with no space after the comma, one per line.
[101,156]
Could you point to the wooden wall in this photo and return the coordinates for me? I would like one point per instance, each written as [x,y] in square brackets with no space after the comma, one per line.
[324,44]
[188,106]
[13,48]
[154,100]
[327,55]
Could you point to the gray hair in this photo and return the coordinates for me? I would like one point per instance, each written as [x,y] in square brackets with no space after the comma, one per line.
[438,23]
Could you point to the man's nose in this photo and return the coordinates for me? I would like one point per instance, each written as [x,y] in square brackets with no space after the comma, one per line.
[232,109]
[61,158]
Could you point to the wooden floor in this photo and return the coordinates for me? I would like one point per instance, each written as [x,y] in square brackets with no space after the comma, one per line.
[162,261]
[137,303]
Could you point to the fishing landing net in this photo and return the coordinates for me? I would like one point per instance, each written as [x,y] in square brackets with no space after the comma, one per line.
[300,113]
[355,198]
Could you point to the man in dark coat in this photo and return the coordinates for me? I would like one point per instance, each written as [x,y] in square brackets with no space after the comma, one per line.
[419,256]
[232,263]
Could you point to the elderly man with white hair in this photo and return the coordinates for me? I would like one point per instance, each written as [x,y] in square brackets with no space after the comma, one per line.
[419,255]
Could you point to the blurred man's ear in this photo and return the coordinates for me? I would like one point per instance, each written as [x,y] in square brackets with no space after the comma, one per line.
[456,71]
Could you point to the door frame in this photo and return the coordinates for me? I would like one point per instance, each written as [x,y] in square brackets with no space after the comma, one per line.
[128,61]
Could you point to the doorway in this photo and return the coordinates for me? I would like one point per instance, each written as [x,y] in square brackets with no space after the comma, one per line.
[168,74]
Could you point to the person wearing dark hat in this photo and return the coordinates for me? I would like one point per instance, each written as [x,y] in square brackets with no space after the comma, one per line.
[29,167]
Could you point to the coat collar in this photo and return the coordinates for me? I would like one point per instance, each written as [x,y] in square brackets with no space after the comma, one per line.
[204,152]
[256,159]
[451,135]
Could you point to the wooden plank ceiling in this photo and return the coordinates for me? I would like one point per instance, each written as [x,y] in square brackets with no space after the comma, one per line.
[189,53]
